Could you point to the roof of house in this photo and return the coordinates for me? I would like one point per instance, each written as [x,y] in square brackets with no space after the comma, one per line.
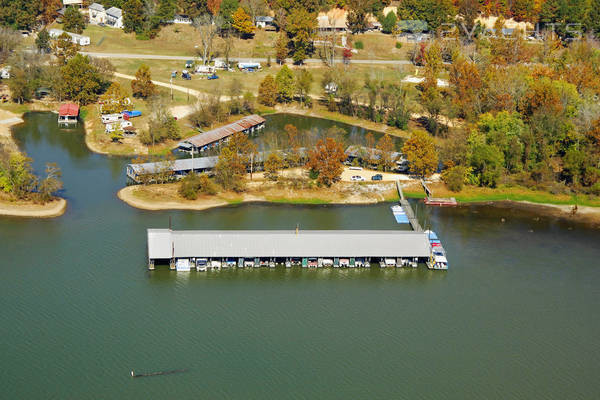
[215,135]
[187,164]
[333,19]
[68,110]
[114,12]
[263,18]
[96,7]
[165,243]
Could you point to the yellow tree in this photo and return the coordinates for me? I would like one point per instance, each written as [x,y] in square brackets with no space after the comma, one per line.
[420,153]
[386,148]
[273,165]
[142,85]
[242,22]
[114,100]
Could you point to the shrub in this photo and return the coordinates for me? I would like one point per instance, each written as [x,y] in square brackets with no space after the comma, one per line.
[454,178]
[359,45]
[398,45]
[595,189]
[192,184]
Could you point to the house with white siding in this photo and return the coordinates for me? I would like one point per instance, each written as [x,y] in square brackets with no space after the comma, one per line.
[114,17]
[97,14]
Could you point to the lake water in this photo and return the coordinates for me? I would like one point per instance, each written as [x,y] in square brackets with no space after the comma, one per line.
[515,317]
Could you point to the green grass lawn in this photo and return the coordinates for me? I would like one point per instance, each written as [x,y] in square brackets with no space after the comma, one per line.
[182,40]
[161,71]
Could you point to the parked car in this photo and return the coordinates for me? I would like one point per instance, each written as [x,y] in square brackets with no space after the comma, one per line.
[356,168]
[186,75]
[357,178]
[377,177]
[174,74]
[213,76]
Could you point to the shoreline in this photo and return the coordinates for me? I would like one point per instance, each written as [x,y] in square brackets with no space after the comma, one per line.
[270,196]
[584,214]
[52,209]
[24,209]
[9,119]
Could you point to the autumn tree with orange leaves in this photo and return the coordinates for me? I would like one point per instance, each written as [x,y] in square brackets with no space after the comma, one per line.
[213,6]
[325,161]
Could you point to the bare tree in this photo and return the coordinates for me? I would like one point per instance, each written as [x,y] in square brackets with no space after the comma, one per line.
[208,28]
[255,8]
[328,43]
[9,40]
[227,46]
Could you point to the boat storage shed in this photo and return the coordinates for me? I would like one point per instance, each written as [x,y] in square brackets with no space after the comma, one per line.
[213,137]
[169,244]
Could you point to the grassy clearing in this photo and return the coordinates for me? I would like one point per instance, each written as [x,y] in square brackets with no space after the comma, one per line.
[161,71]
[473,194]
[174,40]
[181,40]
[378,46]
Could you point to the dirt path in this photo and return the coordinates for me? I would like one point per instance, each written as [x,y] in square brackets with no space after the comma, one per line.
[7,120]
[192,92]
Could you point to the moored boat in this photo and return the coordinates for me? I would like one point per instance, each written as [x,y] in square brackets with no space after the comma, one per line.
[437,258]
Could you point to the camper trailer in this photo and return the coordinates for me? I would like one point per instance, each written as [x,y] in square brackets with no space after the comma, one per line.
[110,118]
[249,66]
[204,70]
[220,64]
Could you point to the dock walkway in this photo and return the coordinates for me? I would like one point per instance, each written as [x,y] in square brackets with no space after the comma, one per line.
[414,222]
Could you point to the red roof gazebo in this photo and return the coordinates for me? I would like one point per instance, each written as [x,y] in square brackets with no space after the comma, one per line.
[68,113]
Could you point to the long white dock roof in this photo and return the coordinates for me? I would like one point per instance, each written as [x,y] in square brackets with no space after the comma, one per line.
[164,243]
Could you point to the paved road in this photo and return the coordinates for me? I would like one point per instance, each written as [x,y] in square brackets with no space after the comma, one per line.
[184,58]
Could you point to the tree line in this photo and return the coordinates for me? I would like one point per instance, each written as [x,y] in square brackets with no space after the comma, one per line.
[529,113]
[18,181]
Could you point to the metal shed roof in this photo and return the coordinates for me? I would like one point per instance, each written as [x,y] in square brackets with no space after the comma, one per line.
[164,243]
[96,7]
[177,165]
[215,135]
[114,12]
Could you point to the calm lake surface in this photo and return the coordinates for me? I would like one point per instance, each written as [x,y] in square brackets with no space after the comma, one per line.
[516,317]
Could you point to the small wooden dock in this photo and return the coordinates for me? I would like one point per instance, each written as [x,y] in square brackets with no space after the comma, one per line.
[414,222]
[436,201]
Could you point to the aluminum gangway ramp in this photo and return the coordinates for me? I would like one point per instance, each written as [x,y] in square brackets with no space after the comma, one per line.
[412,219]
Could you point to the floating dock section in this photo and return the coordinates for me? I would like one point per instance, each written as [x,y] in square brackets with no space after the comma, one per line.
[203,250]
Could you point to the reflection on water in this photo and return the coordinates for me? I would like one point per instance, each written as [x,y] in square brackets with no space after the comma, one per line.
[162,274]
[310,130]
[80,309]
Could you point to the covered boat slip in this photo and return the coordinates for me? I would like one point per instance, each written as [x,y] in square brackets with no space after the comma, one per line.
[307,248]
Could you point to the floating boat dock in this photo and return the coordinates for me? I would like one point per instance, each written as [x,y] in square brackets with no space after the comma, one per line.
[202,250]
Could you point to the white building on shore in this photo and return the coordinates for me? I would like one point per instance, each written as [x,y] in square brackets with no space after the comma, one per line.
[75,38]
